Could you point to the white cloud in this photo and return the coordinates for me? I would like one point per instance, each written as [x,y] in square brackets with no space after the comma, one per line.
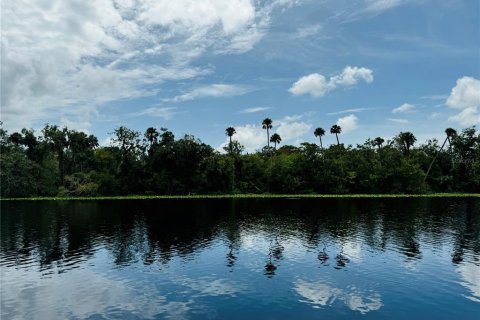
[314,84]
[60,55]
[397,120]
[254,110]
[317,85]
[251,136]
[351,76]
[290,130]
[404,108]
[214,91]
[465,94]
[165,113]
[382,5]
[348,111]
[467,117]
[348,123]
[466,97]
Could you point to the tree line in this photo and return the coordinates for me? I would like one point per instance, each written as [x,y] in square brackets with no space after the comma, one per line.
[66,162]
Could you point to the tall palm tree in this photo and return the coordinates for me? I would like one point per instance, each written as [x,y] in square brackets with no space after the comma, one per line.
[151,134]
[450,134]
[267,124]
[319,132]
[230,131]
[378,142]
[275,138]
[336,129]
[407,139]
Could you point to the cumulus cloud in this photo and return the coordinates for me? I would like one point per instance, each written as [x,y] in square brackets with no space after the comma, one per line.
[291,128]
[314,84]
[253,137]
[465,96]
[467,117]
[60,55]
[348,123]
[404,108]
[214,91]
[317,85]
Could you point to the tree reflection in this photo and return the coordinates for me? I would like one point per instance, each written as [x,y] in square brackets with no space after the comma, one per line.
[270,267]
[341,260]
[63,234]
[323,255]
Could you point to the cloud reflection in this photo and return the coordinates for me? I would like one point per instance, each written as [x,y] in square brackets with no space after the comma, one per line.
[321,294]
[91,295]
[470,274]
[210,286]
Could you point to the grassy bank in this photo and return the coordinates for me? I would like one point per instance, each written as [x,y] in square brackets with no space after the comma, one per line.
[254,196]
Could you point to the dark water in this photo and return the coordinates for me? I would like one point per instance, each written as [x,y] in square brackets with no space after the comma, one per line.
[241,259]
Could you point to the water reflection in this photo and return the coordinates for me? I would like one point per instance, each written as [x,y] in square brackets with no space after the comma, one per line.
[470,278]
[321,294]
[323,256]
[186,253]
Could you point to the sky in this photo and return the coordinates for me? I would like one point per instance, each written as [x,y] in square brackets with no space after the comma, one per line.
[374,67]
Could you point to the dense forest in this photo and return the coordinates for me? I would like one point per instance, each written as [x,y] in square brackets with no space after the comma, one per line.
[64,162]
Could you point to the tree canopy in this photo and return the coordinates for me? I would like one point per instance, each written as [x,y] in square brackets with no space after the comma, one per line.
[65,162]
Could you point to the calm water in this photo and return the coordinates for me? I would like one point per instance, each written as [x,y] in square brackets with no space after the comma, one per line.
[241,259]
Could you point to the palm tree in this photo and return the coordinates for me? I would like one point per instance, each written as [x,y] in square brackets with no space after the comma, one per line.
[267,124]
[230,131]
[450,134]
[406,139]
[319,132]
[275,138]
[378,142]
[151,134]
[336,129]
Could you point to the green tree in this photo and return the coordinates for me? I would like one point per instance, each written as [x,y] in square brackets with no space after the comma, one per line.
[275,138]
[405,140]
[230,131]
[319,132]
[336,129]
[56,138]
[151,134]
[378,142]
[267,124]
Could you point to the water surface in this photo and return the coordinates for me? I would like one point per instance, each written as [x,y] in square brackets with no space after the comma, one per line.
[241,259]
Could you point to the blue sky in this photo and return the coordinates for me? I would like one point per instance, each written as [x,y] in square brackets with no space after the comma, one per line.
[375,67]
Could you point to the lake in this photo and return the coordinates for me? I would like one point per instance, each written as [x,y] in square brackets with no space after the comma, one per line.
[241,259]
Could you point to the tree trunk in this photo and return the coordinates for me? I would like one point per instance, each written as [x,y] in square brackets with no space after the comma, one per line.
[268,138]
[321,146]
[435,158]
[338,142]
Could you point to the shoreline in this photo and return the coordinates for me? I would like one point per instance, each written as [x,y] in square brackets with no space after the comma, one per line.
[250,196]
